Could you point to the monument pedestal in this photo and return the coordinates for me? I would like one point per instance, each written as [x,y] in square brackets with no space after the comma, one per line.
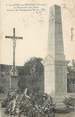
[14,83]
[55,77]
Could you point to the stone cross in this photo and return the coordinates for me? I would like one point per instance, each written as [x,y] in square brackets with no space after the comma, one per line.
[14,38]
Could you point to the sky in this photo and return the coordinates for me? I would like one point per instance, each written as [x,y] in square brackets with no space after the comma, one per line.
[32,25]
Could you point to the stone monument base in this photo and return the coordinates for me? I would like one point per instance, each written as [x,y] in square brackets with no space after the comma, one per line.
[59,103]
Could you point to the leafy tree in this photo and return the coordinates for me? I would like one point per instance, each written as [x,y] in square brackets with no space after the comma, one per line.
[1,89]
[34,65]
[32,74]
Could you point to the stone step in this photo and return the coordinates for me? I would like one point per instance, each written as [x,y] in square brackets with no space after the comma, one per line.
[58,99]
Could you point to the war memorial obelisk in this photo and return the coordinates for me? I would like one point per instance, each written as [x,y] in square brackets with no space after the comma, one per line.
[55,64]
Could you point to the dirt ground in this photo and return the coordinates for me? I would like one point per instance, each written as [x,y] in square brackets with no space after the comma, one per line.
[72,114]
[57,115]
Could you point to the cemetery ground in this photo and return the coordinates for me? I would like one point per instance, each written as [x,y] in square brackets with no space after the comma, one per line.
[71,114]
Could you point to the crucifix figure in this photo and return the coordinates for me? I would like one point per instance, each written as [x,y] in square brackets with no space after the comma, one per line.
[14,38]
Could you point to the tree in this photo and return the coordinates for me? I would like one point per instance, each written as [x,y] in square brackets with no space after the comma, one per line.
[33,65]
[33,74]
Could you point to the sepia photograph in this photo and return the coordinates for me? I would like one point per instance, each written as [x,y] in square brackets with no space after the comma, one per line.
[37,58]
